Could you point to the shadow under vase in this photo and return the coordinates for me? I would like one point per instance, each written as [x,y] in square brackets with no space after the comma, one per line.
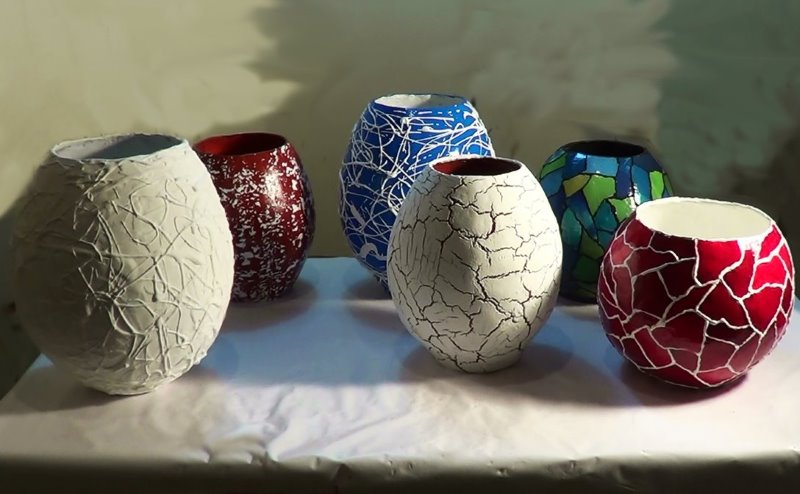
[652,391]
[47,388]
[368,289]
[255,316]
[548,370]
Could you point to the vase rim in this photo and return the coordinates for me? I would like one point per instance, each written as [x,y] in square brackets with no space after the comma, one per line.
[607,148]
[115,147]
[418,101]
[696,218]
[250,144]
[508,166]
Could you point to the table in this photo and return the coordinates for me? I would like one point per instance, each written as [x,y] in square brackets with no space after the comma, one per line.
[324,391]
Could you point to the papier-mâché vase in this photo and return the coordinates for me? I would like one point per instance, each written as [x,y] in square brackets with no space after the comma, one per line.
[268,201]
[475,261]
[123,261]
[695,291]
[393,141]
[592,187]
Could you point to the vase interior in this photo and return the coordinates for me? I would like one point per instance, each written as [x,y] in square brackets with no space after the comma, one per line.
[115,147]
[477,167]
[703,219]
[605,148]
[240,144]
[419,101]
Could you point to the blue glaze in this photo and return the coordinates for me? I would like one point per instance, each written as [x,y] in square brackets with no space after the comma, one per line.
[624,178]
[576,164]
[648,162]
[630,166]
[602,165]
[642,180]
[580,208]
[570,230]
[389,146]
[604,218]
[553,181]
[605,237]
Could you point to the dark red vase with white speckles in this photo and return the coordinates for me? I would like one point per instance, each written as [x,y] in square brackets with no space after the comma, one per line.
[696,292]
[266,196]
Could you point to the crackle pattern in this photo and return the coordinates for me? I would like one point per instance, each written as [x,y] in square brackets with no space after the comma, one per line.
[123,268]
[474,266]
[270,209]
[590,196]
[389,147]
[693,312]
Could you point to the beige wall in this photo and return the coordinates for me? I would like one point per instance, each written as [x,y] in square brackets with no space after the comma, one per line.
[713,87]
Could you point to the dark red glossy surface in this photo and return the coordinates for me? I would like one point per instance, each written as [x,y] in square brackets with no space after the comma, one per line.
[265,193]
[693,312]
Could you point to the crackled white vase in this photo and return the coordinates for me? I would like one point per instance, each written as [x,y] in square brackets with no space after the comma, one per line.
[474,261]
[123,261]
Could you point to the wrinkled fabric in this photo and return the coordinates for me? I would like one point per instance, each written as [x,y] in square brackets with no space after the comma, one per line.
[325,391]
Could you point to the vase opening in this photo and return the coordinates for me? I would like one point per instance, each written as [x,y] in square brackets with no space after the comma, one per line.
[115,147]
[419,101]
[612,149]
[477,167]
[703,219]
[240,144]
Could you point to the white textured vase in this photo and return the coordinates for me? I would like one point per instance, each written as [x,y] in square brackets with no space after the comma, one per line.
[123,261]
[474,261]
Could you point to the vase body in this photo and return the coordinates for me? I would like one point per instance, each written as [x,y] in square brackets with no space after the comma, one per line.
[395,138]
[265,192]
[123,261]
[592,186]
[475,261]
[696,303]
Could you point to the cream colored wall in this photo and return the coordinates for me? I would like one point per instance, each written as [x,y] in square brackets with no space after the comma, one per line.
[713,87]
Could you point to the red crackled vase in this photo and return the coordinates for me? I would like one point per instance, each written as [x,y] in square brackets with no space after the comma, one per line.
[695,291]
[266,196]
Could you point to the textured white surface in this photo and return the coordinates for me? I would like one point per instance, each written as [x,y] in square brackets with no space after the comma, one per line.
[123,267]
[326,392]
[474,266]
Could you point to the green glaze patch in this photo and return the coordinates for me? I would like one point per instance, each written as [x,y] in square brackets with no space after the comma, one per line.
[622,208]
[599,189]
[590,248]
[585,291]
[554,165]
[575,184]
[586,270]
[667,184]
[571,229]
[656,184]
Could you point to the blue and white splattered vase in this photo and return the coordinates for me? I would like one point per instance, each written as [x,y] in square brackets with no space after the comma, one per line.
[392,142]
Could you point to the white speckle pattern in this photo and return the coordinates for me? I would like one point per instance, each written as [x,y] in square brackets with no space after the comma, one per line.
[270,208]
[474,266]
[123,267]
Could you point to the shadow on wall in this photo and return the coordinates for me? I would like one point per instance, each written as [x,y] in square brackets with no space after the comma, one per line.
[16,350]
[775,189]
[730,114]
[541,73]
[674,75]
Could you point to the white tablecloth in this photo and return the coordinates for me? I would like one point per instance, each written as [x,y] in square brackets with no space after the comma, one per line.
[324,391]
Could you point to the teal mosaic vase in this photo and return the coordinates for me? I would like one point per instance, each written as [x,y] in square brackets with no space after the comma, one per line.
[592,187]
